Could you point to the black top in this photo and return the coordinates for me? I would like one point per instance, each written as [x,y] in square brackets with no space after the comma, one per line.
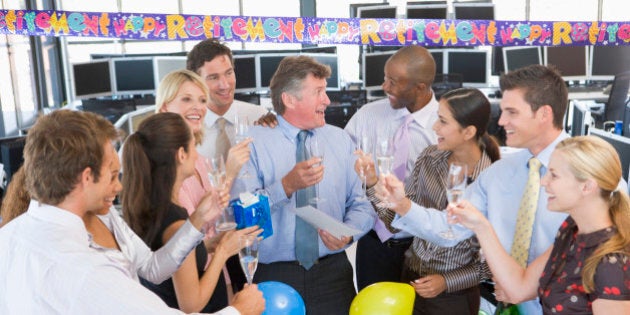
[165,290]
[560,288]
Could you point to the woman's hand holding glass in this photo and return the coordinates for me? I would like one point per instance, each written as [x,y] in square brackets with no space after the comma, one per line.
[216,175]
[390,188]
[209,208]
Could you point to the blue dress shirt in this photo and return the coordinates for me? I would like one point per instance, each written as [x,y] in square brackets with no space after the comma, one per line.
[273,157]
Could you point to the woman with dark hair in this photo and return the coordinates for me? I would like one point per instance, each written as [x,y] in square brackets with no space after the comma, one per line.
[445,279]
[587,269]
[157,159]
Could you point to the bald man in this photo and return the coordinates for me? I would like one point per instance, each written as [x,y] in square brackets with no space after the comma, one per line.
[410,104]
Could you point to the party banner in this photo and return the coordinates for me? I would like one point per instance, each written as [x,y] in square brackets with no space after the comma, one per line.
[307,30]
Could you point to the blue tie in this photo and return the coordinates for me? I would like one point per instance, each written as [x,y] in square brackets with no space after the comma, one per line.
[306,238]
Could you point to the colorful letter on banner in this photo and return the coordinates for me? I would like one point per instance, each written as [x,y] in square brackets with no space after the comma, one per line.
[307,30]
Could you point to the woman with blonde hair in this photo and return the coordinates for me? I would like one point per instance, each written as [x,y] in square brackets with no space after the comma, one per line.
[587,269]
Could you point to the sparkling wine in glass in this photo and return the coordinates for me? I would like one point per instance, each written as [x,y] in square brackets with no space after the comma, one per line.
[242,133]
[217,177]
[248,255]
[385,163]
[316,151]
[365,145]
[455,186]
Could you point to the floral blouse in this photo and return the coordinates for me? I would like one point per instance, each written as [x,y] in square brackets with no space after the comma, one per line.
[560,288]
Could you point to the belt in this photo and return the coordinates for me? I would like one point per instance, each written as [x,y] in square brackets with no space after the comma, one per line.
[398,242]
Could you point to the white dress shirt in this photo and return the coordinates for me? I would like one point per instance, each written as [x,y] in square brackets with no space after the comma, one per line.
[211,129]
[48,267]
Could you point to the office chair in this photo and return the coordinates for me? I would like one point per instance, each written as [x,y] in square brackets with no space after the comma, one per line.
[615,106]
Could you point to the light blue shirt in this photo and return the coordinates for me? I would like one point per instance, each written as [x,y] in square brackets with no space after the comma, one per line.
[273,157]
[497,194]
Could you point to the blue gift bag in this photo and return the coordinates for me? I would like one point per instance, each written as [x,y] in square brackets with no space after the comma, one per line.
[256,214]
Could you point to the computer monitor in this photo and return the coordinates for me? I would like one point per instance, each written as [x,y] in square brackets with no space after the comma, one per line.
[268,63]
[333,82]
[580,118]
[377,12]
[427,11]
[134,76]
[472,64]
[245,69]
[374,69]
[92,79]
[608,61]
[518,57]
[438,57]
[473,11]
[112,109]
[498,66]
[165,65]
[620,143]
[354,8]
[571,61]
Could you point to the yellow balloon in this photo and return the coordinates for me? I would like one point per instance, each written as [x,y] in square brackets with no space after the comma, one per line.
[384,298]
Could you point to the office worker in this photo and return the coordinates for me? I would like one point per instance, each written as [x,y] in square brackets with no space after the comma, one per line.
[410,105]
[533,106]
[158,157]
[213,61]
[71,169]
[311,261]
[587,269]
[445,279]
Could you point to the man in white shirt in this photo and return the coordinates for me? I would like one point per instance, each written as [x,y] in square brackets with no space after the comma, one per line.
[47,265]
[213,61]
[409,74]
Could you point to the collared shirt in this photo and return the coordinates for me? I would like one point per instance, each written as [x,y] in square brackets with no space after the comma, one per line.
[273,157]
[460,265]
[211,129]
[135,256]
[379,119]
[48,267]
[497,193]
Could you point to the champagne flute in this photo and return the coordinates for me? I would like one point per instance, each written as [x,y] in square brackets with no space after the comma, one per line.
[241,134]
[385,162]
[455,185]
[217,177]
[365,145]
[248,255]
[316,151]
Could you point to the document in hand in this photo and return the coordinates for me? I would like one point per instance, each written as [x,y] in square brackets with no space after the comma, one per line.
[322,220]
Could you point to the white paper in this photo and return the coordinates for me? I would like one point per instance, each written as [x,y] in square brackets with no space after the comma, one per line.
[322,220]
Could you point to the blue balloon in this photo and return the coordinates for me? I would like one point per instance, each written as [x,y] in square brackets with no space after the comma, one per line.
[281,299]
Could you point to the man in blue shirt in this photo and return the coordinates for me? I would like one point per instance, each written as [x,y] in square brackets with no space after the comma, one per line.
[533,106]
[298,92]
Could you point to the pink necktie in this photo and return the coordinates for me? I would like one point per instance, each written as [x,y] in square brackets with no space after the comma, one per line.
[401,148]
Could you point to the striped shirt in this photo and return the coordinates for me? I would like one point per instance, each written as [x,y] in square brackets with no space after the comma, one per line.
[460,265]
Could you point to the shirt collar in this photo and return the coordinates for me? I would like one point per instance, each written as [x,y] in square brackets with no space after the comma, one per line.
[425,116]
[289,130]
[545,155]
[211,117]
